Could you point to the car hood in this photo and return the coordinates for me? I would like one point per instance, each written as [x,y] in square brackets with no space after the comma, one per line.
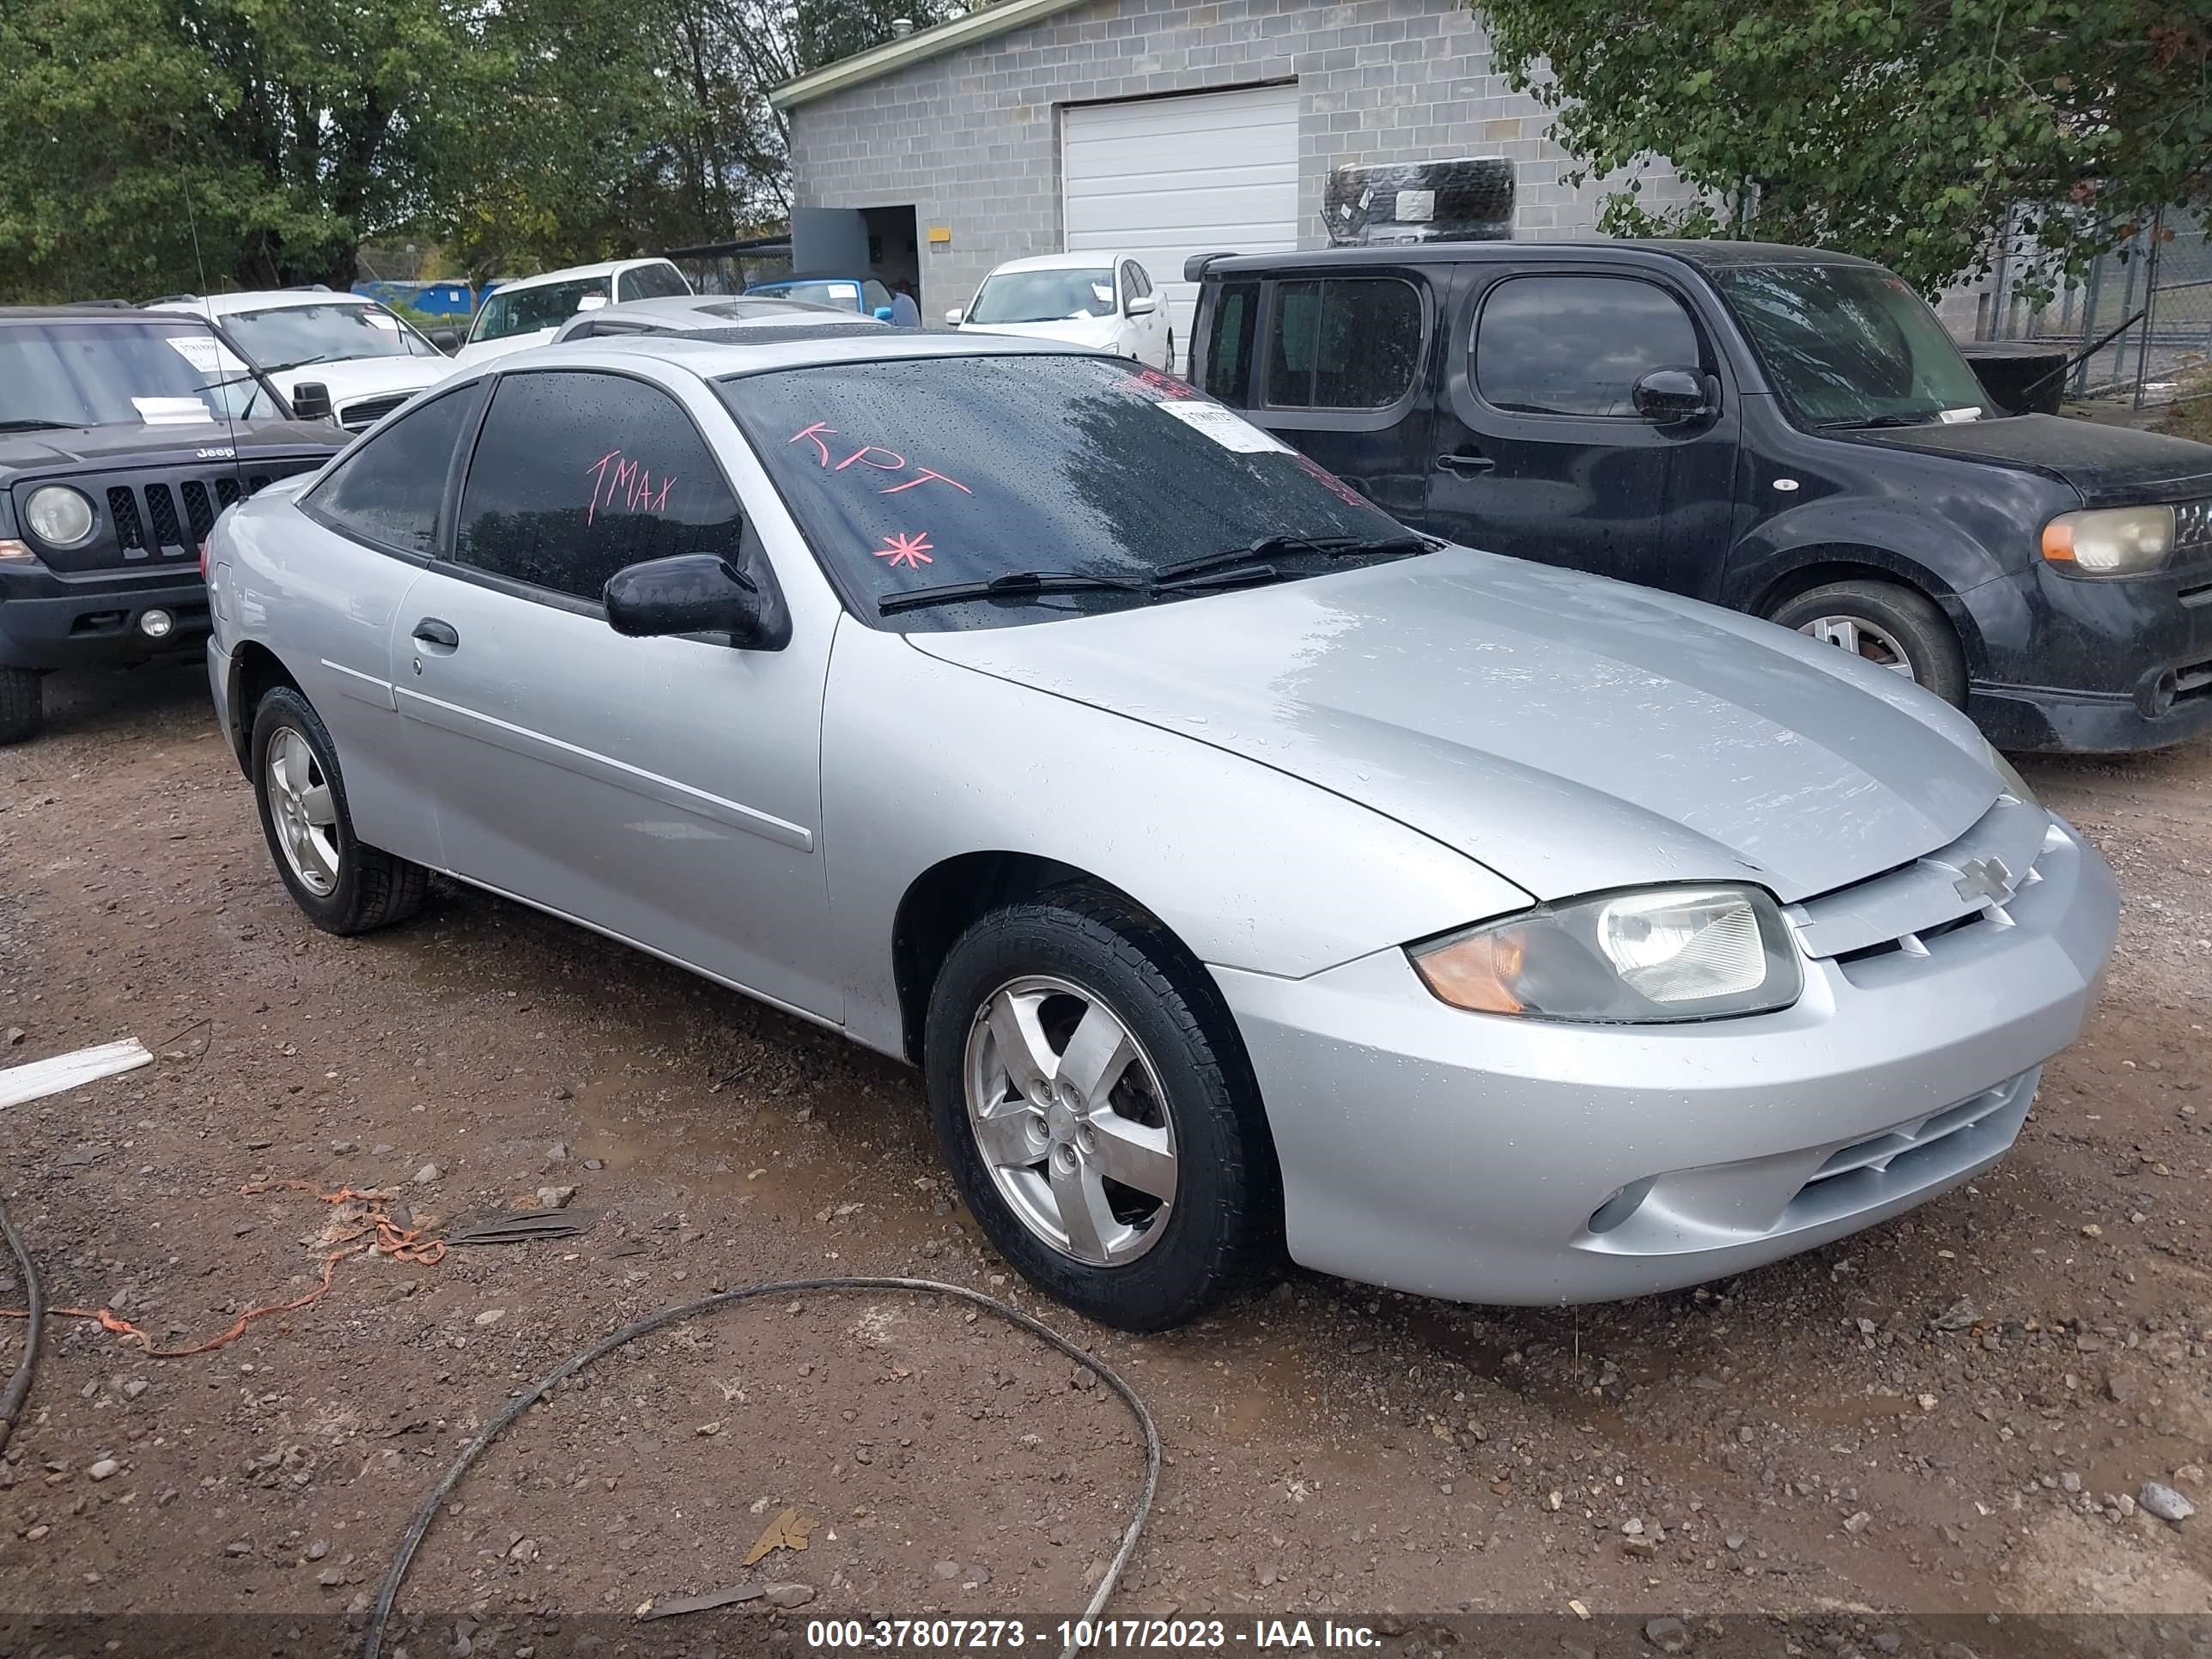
[2110,466]
[1076,331]
[481,351]
[128,443]
[349,377]
[1572,734]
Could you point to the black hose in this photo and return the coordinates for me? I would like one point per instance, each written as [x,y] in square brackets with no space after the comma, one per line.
[428,1512]
[19,1385]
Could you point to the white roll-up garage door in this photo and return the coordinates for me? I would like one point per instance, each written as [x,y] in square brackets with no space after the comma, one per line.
[1161,179]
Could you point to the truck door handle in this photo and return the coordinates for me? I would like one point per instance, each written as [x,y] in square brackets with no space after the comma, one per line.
[431,631]
[1466,464]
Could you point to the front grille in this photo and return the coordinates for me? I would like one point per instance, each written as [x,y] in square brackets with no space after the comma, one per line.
[156,517]
[1939,893]
[2193,525]
[359,417]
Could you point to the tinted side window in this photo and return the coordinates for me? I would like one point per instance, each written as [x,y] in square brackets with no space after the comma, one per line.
[651,282]
[578,475]
[1141,284]
[1229,357]
[388,491]
[1348,342]
[1577,345]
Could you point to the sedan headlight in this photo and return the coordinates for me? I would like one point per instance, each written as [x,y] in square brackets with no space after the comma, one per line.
[1652,956]
[2109,541]
[58,516]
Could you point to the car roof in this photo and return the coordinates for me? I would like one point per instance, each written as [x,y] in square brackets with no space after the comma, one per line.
[1706,255]
[577,273]
[1088,260]
[745,348]
[267,299]
[90,311]
[702,313]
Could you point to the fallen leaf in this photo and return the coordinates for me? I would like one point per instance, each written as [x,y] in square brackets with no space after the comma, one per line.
[787,1532]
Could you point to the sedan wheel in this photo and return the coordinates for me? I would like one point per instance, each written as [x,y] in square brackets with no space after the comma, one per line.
[305,817]
[1096,1107]
[1070,1118]
[1862,639]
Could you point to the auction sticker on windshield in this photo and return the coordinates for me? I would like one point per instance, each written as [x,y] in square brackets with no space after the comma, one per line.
[1225,427]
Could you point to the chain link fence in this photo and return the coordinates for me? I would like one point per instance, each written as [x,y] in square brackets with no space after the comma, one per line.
[2139,324]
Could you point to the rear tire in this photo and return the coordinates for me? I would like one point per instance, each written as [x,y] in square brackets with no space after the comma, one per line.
[1886,623]
[22,705]
[1174,1110]
[343,884]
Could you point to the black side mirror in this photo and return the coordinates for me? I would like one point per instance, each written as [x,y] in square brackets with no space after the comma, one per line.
[445,339]
[1667,397]
[311,401]
[701,594]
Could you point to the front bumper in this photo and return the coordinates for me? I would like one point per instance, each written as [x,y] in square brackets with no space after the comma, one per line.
[2076,665]
[1470,1156]
[51,620]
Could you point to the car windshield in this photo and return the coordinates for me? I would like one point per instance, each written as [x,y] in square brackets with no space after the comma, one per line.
[1850,345]
[1043,296]
[926,472]
[294,334]
[526,310]
[59,373]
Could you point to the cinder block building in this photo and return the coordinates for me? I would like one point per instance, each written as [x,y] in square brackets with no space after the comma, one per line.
[1158,128]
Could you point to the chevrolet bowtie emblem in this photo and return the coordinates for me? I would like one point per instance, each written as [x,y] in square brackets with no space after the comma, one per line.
[1987,880]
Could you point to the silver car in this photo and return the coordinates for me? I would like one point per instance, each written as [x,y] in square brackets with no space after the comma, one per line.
[1243,872]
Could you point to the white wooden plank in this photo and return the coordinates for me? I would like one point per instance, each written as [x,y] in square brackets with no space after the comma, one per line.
[36,1078]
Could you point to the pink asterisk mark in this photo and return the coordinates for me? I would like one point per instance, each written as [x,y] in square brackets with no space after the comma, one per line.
[910,551]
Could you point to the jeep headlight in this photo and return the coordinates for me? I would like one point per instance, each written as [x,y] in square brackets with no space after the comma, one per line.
[1647,956]
[2109,541]
[58,516]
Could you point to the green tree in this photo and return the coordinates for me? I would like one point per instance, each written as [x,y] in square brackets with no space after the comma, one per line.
[1902,130]
[284,133]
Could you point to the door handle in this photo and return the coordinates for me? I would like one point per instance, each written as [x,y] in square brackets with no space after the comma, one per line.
[431,631]
[1467,466]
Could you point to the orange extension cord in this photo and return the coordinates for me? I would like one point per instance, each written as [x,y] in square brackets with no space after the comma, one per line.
[379,1234]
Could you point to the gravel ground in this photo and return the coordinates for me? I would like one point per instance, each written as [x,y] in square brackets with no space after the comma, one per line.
[1954,1414]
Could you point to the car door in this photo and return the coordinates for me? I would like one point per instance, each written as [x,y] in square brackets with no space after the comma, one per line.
[665,791]
[377,518]
[1540,450]
[1340,378]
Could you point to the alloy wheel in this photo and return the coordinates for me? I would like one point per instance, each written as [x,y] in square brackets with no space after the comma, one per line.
[1863,639]
[305,815]
[1070,1118]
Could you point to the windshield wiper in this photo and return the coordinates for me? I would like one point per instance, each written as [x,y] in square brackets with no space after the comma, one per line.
[1014,583]
[1922,417]
[1335,547]
[36,423]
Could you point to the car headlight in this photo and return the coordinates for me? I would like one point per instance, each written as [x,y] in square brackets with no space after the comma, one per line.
[58,516]
[1643,957]
[2008,774]
[2109,541]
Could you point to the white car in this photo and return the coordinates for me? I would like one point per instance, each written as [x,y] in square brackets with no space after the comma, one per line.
[527,311]
[1093,298]
[367,357]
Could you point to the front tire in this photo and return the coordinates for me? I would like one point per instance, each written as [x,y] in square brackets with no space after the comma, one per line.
[1886,623]
[1096,1108]
[345,885]
[22,705]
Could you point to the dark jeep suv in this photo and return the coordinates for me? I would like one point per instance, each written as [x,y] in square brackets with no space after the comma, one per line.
[1785,431]
[123,434]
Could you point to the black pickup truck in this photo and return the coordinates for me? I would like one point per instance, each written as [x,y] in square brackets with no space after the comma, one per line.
[1782,430]
[123,434]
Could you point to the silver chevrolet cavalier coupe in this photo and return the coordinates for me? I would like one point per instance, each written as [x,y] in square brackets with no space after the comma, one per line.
[1244,872]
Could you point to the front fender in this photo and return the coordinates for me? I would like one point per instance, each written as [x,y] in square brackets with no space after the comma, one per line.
[1917,546]
[924,760]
